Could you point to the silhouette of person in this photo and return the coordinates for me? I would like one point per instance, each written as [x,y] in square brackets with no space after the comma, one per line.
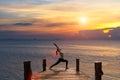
[61,59]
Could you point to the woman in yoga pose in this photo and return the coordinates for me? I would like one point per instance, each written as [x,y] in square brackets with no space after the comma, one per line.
[61,58]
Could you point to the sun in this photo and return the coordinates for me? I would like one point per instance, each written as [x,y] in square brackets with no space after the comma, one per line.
[83,20]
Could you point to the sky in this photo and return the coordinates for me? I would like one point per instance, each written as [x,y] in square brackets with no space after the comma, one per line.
[57,17]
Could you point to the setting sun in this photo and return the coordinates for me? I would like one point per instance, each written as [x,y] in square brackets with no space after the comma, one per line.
[83,20]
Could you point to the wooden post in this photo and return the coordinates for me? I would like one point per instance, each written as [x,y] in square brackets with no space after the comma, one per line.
[27,70]
[44,64]
[77,65]
[98,70]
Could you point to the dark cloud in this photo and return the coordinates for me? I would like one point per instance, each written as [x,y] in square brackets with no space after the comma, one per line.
[16,24]
[54,24]
[99,34]
[84,34]
[3,25]
[40,22]
[58,24]
[29,35]
[51,24]
[91,34]
[7,32]
[23,24]
[115,33]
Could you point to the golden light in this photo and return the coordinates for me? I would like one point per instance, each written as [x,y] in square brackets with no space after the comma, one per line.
[106,31]
[83,20]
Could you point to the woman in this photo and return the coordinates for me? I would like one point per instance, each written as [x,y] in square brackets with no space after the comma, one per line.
[61,59]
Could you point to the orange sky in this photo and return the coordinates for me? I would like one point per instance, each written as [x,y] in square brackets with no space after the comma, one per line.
[61,16]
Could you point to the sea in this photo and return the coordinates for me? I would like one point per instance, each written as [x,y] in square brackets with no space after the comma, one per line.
[13,53]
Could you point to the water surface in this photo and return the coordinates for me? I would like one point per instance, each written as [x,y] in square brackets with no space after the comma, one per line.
[14,53]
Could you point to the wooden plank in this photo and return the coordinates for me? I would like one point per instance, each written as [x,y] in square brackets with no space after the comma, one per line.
[60,74]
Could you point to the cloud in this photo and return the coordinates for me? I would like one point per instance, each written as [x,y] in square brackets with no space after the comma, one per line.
[23,24]
[99,34]
[44,25]
[115,33]
[29,2]
[72,7]
[84,34]
[10,2]
[3,25]
[29,35]
[91,34]
[58,24]
[52,22]
[8,15]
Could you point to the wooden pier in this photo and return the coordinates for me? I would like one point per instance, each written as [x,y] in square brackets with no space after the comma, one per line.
[60,74]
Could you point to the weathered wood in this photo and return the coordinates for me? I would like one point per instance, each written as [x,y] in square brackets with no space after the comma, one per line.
[60,74]
[27,70]
[98,70]
[44,64]
[77,65]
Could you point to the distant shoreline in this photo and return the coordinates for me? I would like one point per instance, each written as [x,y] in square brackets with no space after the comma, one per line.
[60,39]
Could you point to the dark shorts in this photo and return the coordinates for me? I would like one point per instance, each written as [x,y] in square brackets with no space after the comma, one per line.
[62,60]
